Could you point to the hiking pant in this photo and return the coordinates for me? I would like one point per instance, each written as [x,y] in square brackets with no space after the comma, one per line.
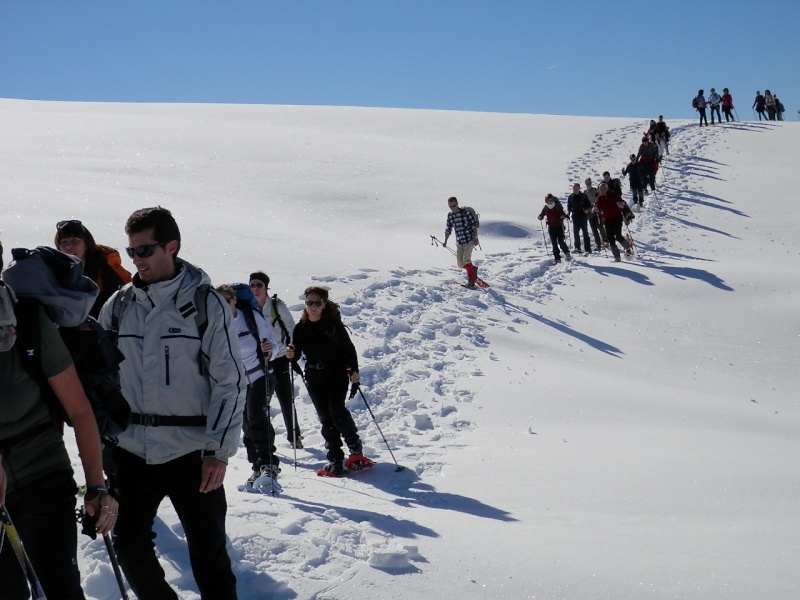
[281,385]
[142,488]
[726,110]
[760,112]
[719,116]
[328,390]
[257,431]
[638,195]
[614,231]
[43,513]
[557,240]
[771,113]
[464,254]
[598,231]
[581,226]
[703,116]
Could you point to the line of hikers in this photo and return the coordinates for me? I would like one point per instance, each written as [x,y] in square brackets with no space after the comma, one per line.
[194,376]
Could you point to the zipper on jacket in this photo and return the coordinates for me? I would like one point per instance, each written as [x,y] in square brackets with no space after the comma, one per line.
[166,358]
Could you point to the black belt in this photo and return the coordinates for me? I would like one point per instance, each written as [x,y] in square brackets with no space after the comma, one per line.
[316,367]
[168,420]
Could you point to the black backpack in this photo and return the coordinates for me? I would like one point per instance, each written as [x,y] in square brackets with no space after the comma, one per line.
[96,359]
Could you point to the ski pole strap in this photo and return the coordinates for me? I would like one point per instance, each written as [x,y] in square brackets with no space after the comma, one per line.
[168,420]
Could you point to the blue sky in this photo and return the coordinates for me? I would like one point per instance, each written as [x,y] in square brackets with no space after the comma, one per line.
[575,58]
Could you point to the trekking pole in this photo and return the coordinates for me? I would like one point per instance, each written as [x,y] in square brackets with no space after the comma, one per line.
[115,565]
[546,245]
[356,387]
[294,419]
[436,242]
[736,113]
[37,593]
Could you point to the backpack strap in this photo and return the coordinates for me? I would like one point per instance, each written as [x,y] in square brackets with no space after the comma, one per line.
[286,337]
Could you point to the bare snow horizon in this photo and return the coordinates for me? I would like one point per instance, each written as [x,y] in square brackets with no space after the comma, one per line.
[594,430]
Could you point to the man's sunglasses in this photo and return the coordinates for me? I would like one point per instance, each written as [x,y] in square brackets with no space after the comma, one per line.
[144,251]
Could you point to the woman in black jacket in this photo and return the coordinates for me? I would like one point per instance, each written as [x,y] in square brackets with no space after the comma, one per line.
[331,364]
[72,237]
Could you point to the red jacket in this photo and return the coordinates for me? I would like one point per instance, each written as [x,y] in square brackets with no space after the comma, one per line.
[607,205]
[555,216]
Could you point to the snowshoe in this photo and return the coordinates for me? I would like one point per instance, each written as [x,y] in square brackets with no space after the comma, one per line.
[357,462]
[332,469]
[267,480]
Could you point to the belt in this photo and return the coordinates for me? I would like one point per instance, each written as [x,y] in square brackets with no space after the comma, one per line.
[316,367]
[168,420]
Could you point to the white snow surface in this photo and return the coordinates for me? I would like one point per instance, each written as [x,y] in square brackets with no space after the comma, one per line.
[590,430]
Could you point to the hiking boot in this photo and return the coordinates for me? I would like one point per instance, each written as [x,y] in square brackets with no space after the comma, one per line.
[557,260]
[470,285]
[335,468]
[357,449]
[298,444]
[264,471]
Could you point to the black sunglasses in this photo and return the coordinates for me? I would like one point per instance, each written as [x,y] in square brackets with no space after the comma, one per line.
[314,303]
[144,251]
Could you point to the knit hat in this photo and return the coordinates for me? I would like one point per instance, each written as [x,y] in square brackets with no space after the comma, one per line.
[260,276]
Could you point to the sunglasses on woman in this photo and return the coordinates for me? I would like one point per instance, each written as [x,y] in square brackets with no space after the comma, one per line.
[316,303]
[143,251]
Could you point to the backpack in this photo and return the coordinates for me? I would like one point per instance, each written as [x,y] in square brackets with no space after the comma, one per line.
[694,102]
[40,275]
[114,261]
[616,185]
[471,211]
[246,302]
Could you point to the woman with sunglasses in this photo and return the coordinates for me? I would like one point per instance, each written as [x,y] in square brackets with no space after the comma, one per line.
[101,264]
[331,364]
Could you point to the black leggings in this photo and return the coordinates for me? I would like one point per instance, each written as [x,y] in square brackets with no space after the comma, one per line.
[328,391]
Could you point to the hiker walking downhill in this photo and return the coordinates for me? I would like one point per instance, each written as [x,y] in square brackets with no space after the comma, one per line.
[101,264]
[760,105]
[465,222]
[634,172]
[183,378]
[598,231]
[255,344]
[727,105]
[37,486]
[553,211]
[610,205]
[700,104]
[578,209]
[280,320]
[331,365]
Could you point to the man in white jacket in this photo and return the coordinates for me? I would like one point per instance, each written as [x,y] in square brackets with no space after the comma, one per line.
[183,377]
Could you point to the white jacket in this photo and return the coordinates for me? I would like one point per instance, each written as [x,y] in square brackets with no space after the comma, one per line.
[279,348]
[163,373]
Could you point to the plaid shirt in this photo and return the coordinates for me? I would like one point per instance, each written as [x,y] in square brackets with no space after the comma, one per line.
[464,222]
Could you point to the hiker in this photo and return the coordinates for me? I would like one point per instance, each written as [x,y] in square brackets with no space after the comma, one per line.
[578,209]
[609,207]
[769,104]
[779,109]
[615,184]
[647,158]
[280,321]
[37,485]
[553,211]
[331,364]
[760,105]
[598,231]
[727,105]
[183,378]
[663,136]
[634,172]
[101,264]
[700,104]
[714,101]
[255,343]
[465,222]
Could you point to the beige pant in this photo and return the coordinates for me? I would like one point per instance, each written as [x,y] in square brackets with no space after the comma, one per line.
[464,254]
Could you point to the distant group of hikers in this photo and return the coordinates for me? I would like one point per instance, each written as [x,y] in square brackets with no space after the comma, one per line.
[767,106]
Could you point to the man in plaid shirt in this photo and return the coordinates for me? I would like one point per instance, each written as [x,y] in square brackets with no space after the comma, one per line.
[466,225]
